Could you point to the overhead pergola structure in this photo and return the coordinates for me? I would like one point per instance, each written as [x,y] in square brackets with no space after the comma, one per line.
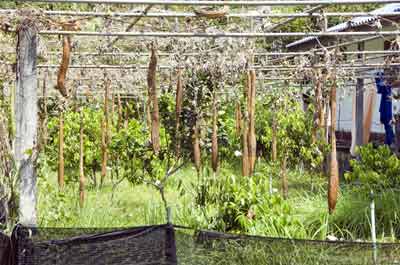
[104,48]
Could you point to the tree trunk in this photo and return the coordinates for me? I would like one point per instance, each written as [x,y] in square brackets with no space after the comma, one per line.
[61,151]
[152,87]
[334,171]
[81,163]
[26,115]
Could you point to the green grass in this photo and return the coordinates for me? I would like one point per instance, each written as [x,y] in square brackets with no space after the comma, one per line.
[130,205]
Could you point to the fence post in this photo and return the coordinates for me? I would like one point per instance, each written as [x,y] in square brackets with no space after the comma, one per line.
[373,228]
[26,120]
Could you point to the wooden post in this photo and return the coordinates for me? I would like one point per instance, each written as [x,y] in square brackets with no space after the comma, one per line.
[360,105]
[26,115]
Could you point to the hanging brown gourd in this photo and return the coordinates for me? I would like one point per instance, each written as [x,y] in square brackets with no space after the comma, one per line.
[178,112]
[66,57]
[334,171]
[62,72]
[214,140]
[238,119]
[318,115]
[245,129]
[252,143]
[61,151]
[152,91]
[81,162]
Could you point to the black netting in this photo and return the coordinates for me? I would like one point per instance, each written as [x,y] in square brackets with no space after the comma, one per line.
[5,250]
[153,245]
[216,248]
[166,245]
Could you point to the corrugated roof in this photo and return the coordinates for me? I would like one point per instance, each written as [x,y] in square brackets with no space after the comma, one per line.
[355,22]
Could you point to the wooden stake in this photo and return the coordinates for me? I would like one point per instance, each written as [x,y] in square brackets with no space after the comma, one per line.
[26,120]
[81,162]
[61,151]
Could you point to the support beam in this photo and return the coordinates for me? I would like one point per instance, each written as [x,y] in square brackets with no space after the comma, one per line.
[219,3]
[26,109]
[312,13]
[222,34]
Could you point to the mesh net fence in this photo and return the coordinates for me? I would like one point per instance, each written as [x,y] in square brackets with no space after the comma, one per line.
[166,244]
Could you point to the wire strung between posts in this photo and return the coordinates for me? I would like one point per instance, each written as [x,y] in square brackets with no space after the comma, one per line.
[219,3]
[261,67]
[266,54]
[222,34]
[191,14]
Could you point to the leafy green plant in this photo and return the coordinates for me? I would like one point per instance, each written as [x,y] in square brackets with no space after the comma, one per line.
[377,169]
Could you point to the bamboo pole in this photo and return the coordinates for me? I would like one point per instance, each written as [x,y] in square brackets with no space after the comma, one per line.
[214,138]
[284,180]
[81,161]
[119,125]
[178,112]
[61,151]
[274,138]
[104,133]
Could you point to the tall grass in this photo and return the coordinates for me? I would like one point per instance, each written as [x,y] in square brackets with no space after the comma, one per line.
[303,215]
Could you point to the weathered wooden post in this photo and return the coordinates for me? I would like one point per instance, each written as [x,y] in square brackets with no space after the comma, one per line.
[26,115]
